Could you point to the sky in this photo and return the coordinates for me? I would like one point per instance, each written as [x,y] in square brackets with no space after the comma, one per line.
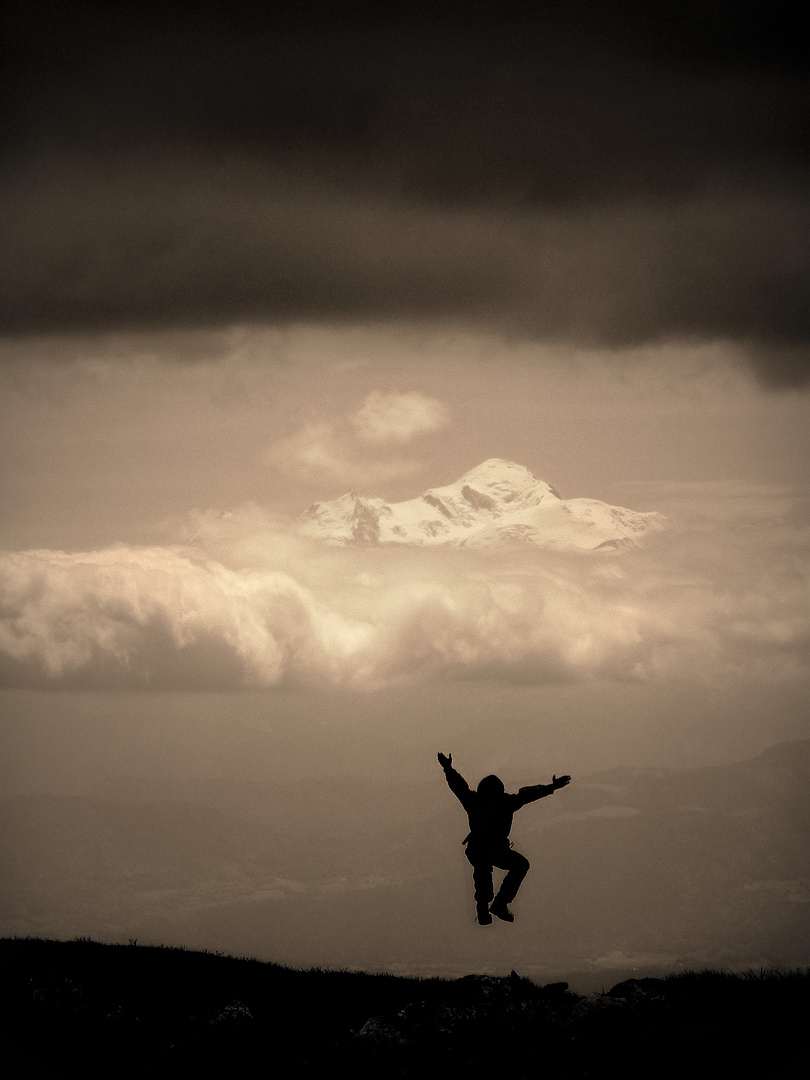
[255,259]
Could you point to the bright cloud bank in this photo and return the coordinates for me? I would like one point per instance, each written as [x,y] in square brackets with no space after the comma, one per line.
[268,611]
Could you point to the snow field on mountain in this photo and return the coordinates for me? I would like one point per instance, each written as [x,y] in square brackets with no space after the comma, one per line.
[498,503]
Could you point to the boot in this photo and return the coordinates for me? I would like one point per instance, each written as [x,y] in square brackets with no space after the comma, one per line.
[499,909]
[483,917]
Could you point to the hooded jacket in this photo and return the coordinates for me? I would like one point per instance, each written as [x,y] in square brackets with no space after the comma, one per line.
[490,813]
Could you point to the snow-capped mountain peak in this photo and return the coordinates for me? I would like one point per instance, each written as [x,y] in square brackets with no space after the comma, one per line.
[498,502]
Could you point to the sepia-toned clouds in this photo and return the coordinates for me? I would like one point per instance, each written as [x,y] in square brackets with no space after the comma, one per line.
[266,610]
[394,419]
[104,243]
[557,175]
[361,448]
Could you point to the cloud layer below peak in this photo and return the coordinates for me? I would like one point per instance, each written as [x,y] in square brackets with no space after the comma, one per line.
[265,610]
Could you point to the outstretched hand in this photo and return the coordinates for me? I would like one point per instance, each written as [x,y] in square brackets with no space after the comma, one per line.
[560,781]
[445,761]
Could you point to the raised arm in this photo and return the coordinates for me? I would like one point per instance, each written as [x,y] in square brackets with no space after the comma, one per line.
[539,791]
[455,781]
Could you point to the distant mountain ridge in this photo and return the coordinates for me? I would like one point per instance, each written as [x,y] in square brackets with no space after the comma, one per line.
[497,503]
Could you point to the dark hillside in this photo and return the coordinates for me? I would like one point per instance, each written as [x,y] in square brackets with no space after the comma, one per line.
[80,1007]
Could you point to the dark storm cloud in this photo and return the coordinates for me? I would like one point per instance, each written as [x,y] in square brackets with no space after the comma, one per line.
[604,180]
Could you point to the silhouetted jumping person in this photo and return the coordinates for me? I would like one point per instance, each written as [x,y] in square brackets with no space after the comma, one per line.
[489,810]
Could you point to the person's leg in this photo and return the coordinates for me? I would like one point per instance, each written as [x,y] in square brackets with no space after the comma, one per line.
[482,883]
[516,866]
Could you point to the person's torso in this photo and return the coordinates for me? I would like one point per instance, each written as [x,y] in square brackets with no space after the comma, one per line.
[491,819]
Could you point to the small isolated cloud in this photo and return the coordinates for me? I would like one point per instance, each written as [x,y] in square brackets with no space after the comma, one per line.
[363,447]
[395,419]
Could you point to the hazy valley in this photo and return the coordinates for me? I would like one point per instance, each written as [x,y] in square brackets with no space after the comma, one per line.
[631,869]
